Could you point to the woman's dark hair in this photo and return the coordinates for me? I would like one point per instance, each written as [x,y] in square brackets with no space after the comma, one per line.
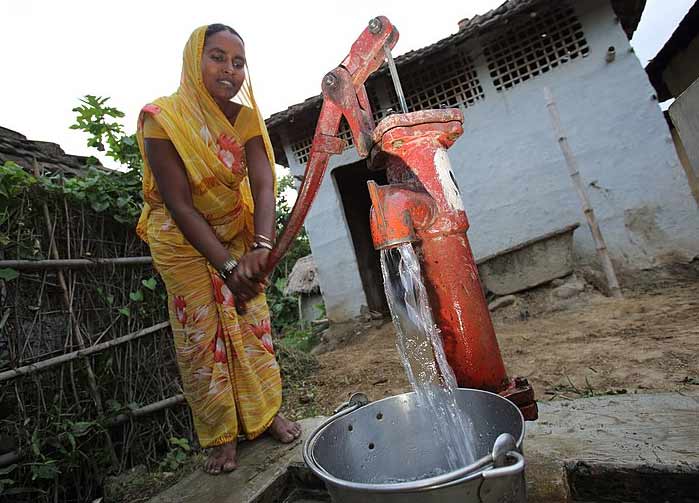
[217,27]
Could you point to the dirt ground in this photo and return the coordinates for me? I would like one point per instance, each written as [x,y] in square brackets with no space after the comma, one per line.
[588,345]
[572,348]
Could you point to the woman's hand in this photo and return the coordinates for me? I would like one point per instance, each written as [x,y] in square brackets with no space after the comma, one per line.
[248,278]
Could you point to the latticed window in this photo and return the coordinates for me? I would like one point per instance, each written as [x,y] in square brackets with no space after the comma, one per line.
[378,112]
[545,40]
[435,83]
[302,149]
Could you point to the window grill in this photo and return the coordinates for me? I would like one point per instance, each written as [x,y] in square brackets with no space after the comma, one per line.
[377,112]
[447,82]
[302,149]
[546,40]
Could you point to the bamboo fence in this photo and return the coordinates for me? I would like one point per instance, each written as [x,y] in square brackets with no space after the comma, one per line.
[83,340]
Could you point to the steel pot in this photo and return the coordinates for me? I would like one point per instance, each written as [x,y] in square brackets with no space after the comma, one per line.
[384,452]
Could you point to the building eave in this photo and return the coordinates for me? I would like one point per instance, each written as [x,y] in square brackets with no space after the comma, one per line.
[686,31]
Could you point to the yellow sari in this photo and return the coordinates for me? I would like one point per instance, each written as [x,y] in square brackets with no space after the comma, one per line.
[229,373]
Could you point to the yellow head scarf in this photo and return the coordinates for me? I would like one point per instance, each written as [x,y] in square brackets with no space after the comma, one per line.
[195,124]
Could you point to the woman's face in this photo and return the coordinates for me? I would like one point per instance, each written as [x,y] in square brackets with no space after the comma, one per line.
[223,66]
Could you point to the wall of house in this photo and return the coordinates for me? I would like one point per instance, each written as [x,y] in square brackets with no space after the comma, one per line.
[513,178]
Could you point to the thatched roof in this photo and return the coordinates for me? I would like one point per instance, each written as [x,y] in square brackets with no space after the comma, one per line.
[303,278]
[18,148]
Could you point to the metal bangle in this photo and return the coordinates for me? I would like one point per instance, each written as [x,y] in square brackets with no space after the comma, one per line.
[262,244]
[262,237]
[227,268]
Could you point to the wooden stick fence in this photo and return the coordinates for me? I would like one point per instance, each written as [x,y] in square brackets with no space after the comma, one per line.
[76,263]
[77,332]
[63,321]
[10,458]
[81,353]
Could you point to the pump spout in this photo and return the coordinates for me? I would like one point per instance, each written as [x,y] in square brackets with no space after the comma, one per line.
[422,205]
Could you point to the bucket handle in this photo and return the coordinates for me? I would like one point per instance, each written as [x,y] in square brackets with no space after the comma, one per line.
[506,471]
[356,400]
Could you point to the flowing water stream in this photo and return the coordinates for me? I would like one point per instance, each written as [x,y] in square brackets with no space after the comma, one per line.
[422,354]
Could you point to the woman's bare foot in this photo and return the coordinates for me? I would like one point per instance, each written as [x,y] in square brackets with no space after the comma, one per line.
[284,430]
[223,458]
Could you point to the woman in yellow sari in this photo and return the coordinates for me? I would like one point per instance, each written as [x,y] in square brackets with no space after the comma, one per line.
[209,219]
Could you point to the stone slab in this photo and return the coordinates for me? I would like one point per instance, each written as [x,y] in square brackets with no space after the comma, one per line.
[649,435]
[526,265]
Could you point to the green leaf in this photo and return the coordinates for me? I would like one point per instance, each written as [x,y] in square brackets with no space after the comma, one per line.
[150,283]
[8,274]
[125,311]
[136,296]
[110,299]
[113,405]
[46,471]
[99,206]
[182,443]
[81,427]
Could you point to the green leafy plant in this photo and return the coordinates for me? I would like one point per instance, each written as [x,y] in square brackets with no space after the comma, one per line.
[8,274]
[100,122]
[13,180]
[177,455]
[301,337]
[283,308]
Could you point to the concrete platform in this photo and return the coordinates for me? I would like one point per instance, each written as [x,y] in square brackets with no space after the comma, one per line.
[641,448]
[619,448]
[264,465]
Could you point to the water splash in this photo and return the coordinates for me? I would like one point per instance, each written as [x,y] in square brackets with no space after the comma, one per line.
[422,354]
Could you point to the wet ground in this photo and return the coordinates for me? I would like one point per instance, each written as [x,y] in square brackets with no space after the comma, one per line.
[588,345]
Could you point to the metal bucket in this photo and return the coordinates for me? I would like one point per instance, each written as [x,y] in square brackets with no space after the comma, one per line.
[384,452]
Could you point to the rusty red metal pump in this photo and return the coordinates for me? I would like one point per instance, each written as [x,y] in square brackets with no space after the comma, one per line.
[421,205]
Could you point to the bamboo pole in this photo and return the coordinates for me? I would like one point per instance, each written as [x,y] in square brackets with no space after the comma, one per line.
[167,403]
[75,263]
[572,164]
[147,409]
[81,353]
